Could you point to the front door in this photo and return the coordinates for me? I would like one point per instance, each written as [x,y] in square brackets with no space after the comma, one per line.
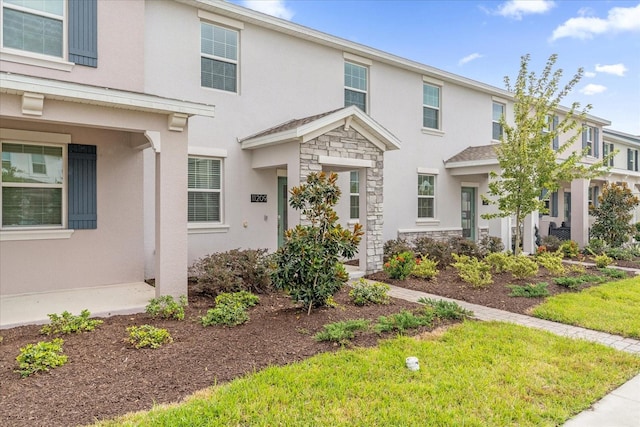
[468,213]
[283,203]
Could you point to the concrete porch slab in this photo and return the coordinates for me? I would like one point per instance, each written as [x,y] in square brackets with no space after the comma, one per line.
[101,301]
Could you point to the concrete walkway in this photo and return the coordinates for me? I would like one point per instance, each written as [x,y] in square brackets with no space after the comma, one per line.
[620,408]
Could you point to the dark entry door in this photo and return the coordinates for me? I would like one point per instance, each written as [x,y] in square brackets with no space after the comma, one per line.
[468,213]
[282,208]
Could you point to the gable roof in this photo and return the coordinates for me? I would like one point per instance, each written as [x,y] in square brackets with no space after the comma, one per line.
[473,156]
[307,128]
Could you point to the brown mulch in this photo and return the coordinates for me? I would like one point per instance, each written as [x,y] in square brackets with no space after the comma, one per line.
[106,377]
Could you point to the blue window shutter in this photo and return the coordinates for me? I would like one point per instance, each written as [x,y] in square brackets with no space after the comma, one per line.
[554,203]
[596,142]
[83,32]
[556,144]
[82,183]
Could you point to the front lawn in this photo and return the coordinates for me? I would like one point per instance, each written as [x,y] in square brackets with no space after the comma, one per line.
[473,374]
[612,307]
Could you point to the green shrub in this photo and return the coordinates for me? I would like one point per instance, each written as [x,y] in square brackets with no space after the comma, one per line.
[569,249]
[42,356]
[613,273]
[244,298]
[463,246]
[425,268]
[434,249]
[552,243]
[619,254]
[490,244]
[552,261]
[148,336]
[473,271]
[499,261]
[226,314]
[576,269]
[522,267]
[595,247]
[341,332]
[530,291]
[395,247]
[365,292]
[602,261]
[403,321]
[400,266]
[445,309]
[575,282]
[613,214]
[67,323]
[232,271]
[166,307]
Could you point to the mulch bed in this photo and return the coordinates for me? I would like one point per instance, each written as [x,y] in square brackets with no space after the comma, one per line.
[106,377]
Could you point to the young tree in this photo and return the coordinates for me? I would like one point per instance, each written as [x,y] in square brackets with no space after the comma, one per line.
[613,214]
[531,167]
[307,266]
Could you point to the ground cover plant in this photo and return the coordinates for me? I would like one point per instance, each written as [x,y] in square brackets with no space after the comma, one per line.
[148,336]
[41,356]
[67,323]
[611,307]
[167,307]
[475,374]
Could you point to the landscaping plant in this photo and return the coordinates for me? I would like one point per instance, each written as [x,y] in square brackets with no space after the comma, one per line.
[613,273]
[394,247]
[166,307]
[230,309]
[569,249]
[602,261]
[425,268]
[473,271]
[613,214]
[552,261]
[67,323]
[531,290]
[39,357]
[522,267]
[365,292]
[445,309]
[244,298]
[434,249]
[403,321]
[148,336]
[400,266]
[342,332]
[499,261]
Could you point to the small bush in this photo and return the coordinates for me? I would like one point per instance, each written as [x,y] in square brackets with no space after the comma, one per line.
[569,249]
[613,273]
[530,291]
[619,254]
[67,323]
[576,269]
[434,249]
[166,307]
[602,261]
[499,261]
[244,298]
[575,282]
[342,332]
[148,336]
[395,247]
[463,246]
[490,244]
[473,271]
[595,247]
[425,268]
[39,357]
[226,314]
[552,243]
[400,266]
[403,321]
[522,267]
[445,309]
[365,292]
[552,261]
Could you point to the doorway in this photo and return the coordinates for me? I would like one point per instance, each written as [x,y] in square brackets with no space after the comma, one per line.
[468,213]
[283,204]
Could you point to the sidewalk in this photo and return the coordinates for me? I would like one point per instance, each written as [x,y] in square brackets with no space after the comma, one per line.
[620,408]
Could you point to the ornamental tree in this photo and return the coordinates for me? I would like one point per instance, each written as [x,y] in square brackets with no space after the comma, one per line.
[307,266]
[613,214]
[531,167]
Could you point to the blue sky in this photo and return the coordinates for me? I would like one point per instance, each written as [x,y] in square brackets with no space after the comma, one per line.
[484,40]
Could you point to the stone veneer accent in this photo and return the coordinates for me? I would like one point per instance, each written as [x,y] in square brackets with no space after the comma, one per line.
[440,235]
[351,144]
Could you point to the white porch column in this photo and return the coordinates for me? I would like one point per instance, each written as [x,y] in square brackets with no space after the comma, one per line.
[171,215]
[529,233]
[580,211]
[501,227]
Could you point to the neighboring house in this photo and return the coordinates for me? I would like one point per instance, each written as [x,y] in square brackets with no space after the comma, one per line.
[117,169]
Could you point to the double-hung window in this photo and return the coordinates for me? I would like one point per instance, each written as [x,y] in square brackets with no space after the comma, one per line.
[608,148]
[632,160]
[590,140]
[355,85]
[354,193]
[496,126]
[431,106]
[426,196]
[219,57]
[205,190]
[34,26]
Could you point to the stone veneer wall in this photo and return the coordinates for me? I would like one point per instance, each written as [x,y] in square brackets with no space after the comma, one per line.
[350,144]
[440,235]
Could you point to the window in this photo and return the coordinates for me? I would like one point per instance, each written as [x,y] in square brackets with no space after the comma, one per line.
[593,196]
[354,190]
[430,106]
[219,57]
[32,185]
[355,85]
[590,140]
[608,148]
[426,196]
[551,124]
[498,112]
[204,194]
[34,26]
[632,160]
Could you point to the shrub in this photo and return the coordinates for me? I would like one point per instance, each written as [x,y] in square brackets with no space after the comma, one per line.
[576,269]
[67,323]
[341,332]
[425,268]
[636,231]
[499,261]
[148,336]
[575,282]
[569,249]
[400,266]
[602,261]
[403,321]
[552,243]
[42,356]
[244,298]
[490,244]
[225,314]
[463,246]
[473,271]
[613,273]
[620,254]
[365,292]
[166,307]
[434,249]
[613,214]
[445,309]
[522,266]
[530,291]
[308,266]
[394,247]
[595,247]
[552,261]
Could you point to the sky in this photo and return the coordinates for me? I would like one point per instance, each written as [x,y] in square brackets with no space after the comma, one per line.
[485,40]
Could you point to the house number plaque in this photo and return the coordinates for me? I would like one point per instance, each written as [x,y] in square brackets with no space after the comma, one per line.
[258,198]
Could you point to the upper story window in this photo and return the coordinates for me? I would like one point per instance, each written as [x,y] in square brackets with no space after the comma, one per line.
[431,106]
[551,124]
[608,148]
[355,85]
[632,160]
[590,140]
[34,26]
[204,190]
[354,193]
[426,196]
[219,57]
[497,113]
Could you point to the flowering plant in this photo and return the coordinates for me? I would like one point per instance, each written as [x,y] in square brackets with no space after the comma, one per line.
[400,266]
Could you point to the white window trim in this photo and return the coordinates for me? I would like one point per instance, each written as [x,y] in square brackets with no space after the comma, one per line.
[423,220]
[36,234]
[354,194]
[504,113]
[366,91]
[439,108]
[590,142]
[33,58]
[199,227]
[236,61]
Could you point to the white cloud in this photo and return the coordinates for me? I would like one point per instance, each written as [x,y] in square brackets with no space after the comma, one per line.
[469,58]
[618,19]
[615,69]
[517,8]
[589,74]
[593,89]
[275,8]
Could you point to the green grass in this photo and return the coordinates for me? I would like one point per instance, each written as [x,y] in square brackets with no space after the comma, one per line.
[473,374]
[612,307]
